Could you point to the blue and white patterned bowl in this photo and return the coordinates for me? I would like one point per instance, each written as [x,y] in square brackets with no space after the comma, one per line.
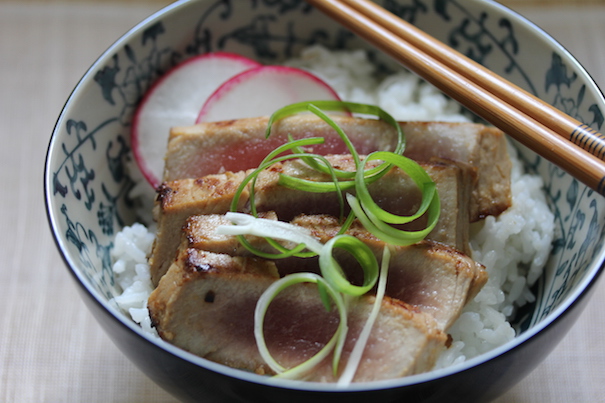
[87,185]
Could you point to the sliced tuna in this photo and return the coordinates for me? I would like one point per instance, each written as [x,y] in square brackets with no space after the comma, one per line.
[209,148]
[205,304]
[395,192]
[437,279]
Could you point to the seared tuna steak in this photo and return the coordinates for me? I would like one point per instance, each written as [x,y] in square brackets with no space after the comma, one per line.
[395,192]
[435,278]
[205,304]
[235,145]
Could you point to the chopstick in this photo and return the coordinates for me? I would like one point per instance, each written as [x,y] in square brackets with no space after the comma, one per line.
[557,137]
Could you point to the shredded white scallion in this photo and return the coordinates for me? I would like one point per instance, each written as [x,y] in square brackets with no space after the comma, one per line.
[353,362]
[250,225]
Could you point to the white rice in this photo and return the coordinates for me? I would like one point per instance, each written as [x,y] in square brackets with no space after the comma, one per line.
[513,246]
[131,273]
[354,78]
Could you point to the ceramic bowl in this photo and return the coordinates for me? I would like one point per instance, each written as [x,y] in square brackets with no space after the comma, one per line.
[88,186]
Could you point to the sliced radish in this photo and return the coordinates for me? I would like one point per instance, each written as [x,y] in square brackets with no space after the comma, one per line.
[175,100]
[261,91]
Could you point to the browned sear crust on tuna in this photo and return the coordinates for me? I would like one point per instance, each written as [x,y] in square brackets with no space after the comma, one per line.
[179,200]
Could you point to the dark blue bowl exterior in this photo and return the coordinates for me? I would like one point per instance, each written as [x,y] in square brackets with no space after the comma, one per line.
[188,381]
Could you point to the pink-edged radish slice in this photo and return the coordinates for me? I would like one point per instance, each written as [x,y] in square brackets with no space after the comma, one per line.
[175,100]
[261,91]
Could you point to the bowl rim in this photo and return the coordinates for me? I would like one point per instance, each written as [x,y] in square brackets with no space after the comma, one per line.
[579,293]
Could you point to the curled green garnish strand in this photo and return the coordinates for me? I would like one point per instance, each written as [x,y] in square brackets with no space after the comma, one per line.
[318,107]
[335,343]
[330,269]
[342,106]
[333,286]
[332,272]
[272,158]
[378,221]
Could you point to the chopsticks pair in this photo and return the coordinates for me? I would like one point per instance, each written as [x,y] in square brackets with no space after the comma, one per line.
[572,145]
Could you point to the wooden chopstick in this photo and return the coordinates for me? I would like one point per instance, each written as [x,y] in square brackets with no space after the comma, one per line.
[529,120]
[563,124]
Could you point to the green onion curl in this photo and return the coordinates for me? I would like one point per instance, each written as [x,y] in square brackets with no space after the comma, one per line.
[378,221]
[272,158]
[389,234]
[420,177]
[247,224]
[342,106]
[336,342]
[332,272]
[317,107]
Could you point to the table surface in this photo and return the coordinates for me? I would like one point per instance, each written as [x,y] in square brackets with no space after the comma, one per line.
[51,348]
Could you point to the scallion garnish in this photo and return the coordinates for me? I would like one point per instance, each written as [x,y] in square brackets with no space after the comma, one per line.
[377,221]
[332,272]
[330,269]
[333,286]
[336,343]
[355,357]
